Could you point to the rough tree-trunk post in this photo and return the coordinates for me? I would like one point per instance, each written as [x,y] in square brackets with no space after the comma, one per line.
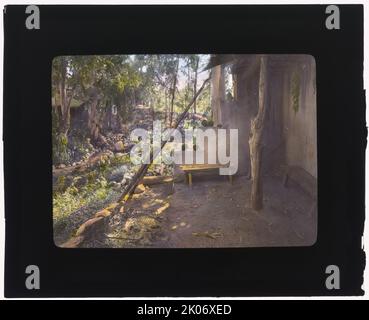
[255,140]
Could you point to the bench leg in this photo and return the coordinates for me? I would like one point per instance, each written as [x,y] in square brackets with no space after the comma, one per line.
[190,179]
[230,179]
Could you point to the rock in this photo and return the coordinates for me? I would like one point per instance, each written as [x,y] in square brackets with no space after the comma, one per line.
[118,174]
[112,184]
[128,176]
[140,189]
[117,186]
[61,166]
[130,225]
[160,210]
[79,181]
[119,146]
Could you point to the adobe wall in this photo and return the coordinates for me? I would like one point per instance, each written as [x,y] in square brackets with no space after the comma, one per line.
[290,134]
[300,130]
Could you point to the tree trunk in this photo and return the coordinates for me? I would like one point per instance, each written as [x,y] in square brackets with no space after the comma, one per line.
[255,140]
[64,101]
[235,87]
[65,114]
[93,122]
[166,106]
[173,94]
[218,91]
[195,84]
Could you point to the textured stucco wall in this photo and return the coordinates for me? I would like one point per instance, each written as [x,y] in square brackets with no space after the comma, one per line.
[300,131]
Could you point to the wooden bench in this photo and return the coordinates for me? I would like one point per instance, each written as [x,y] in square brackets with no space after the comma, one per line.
[189,169]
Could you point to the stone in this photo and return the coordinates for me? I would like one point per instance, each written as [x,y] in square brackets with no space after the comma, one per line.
[118,174]
[117,186]
[119,146]
[160,210]
[112,184]
[140,189]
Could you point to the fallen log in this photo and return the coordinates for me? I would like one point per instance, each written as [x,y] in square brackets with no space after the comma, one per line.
[89,227]
[152,180]
[82,167]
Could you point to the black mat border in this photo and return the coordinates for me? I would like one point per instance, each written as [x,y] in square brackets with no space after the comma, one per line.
[67,30]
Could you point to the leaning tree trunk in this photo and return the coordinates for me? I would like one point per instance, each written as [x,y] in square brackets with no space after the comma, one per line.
[255,140]
[143,169]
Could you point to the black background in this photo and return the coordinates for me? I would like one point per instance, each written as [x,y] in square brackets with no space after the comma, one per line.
[69,30]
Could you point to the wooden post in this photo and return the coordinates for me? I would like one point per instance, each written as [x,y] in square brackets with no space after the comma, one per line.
[255,140]
[230,179]
[190,179]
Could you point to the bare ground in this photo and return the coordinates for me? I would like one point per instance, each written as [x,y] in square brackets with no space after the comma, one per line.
[213,213]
